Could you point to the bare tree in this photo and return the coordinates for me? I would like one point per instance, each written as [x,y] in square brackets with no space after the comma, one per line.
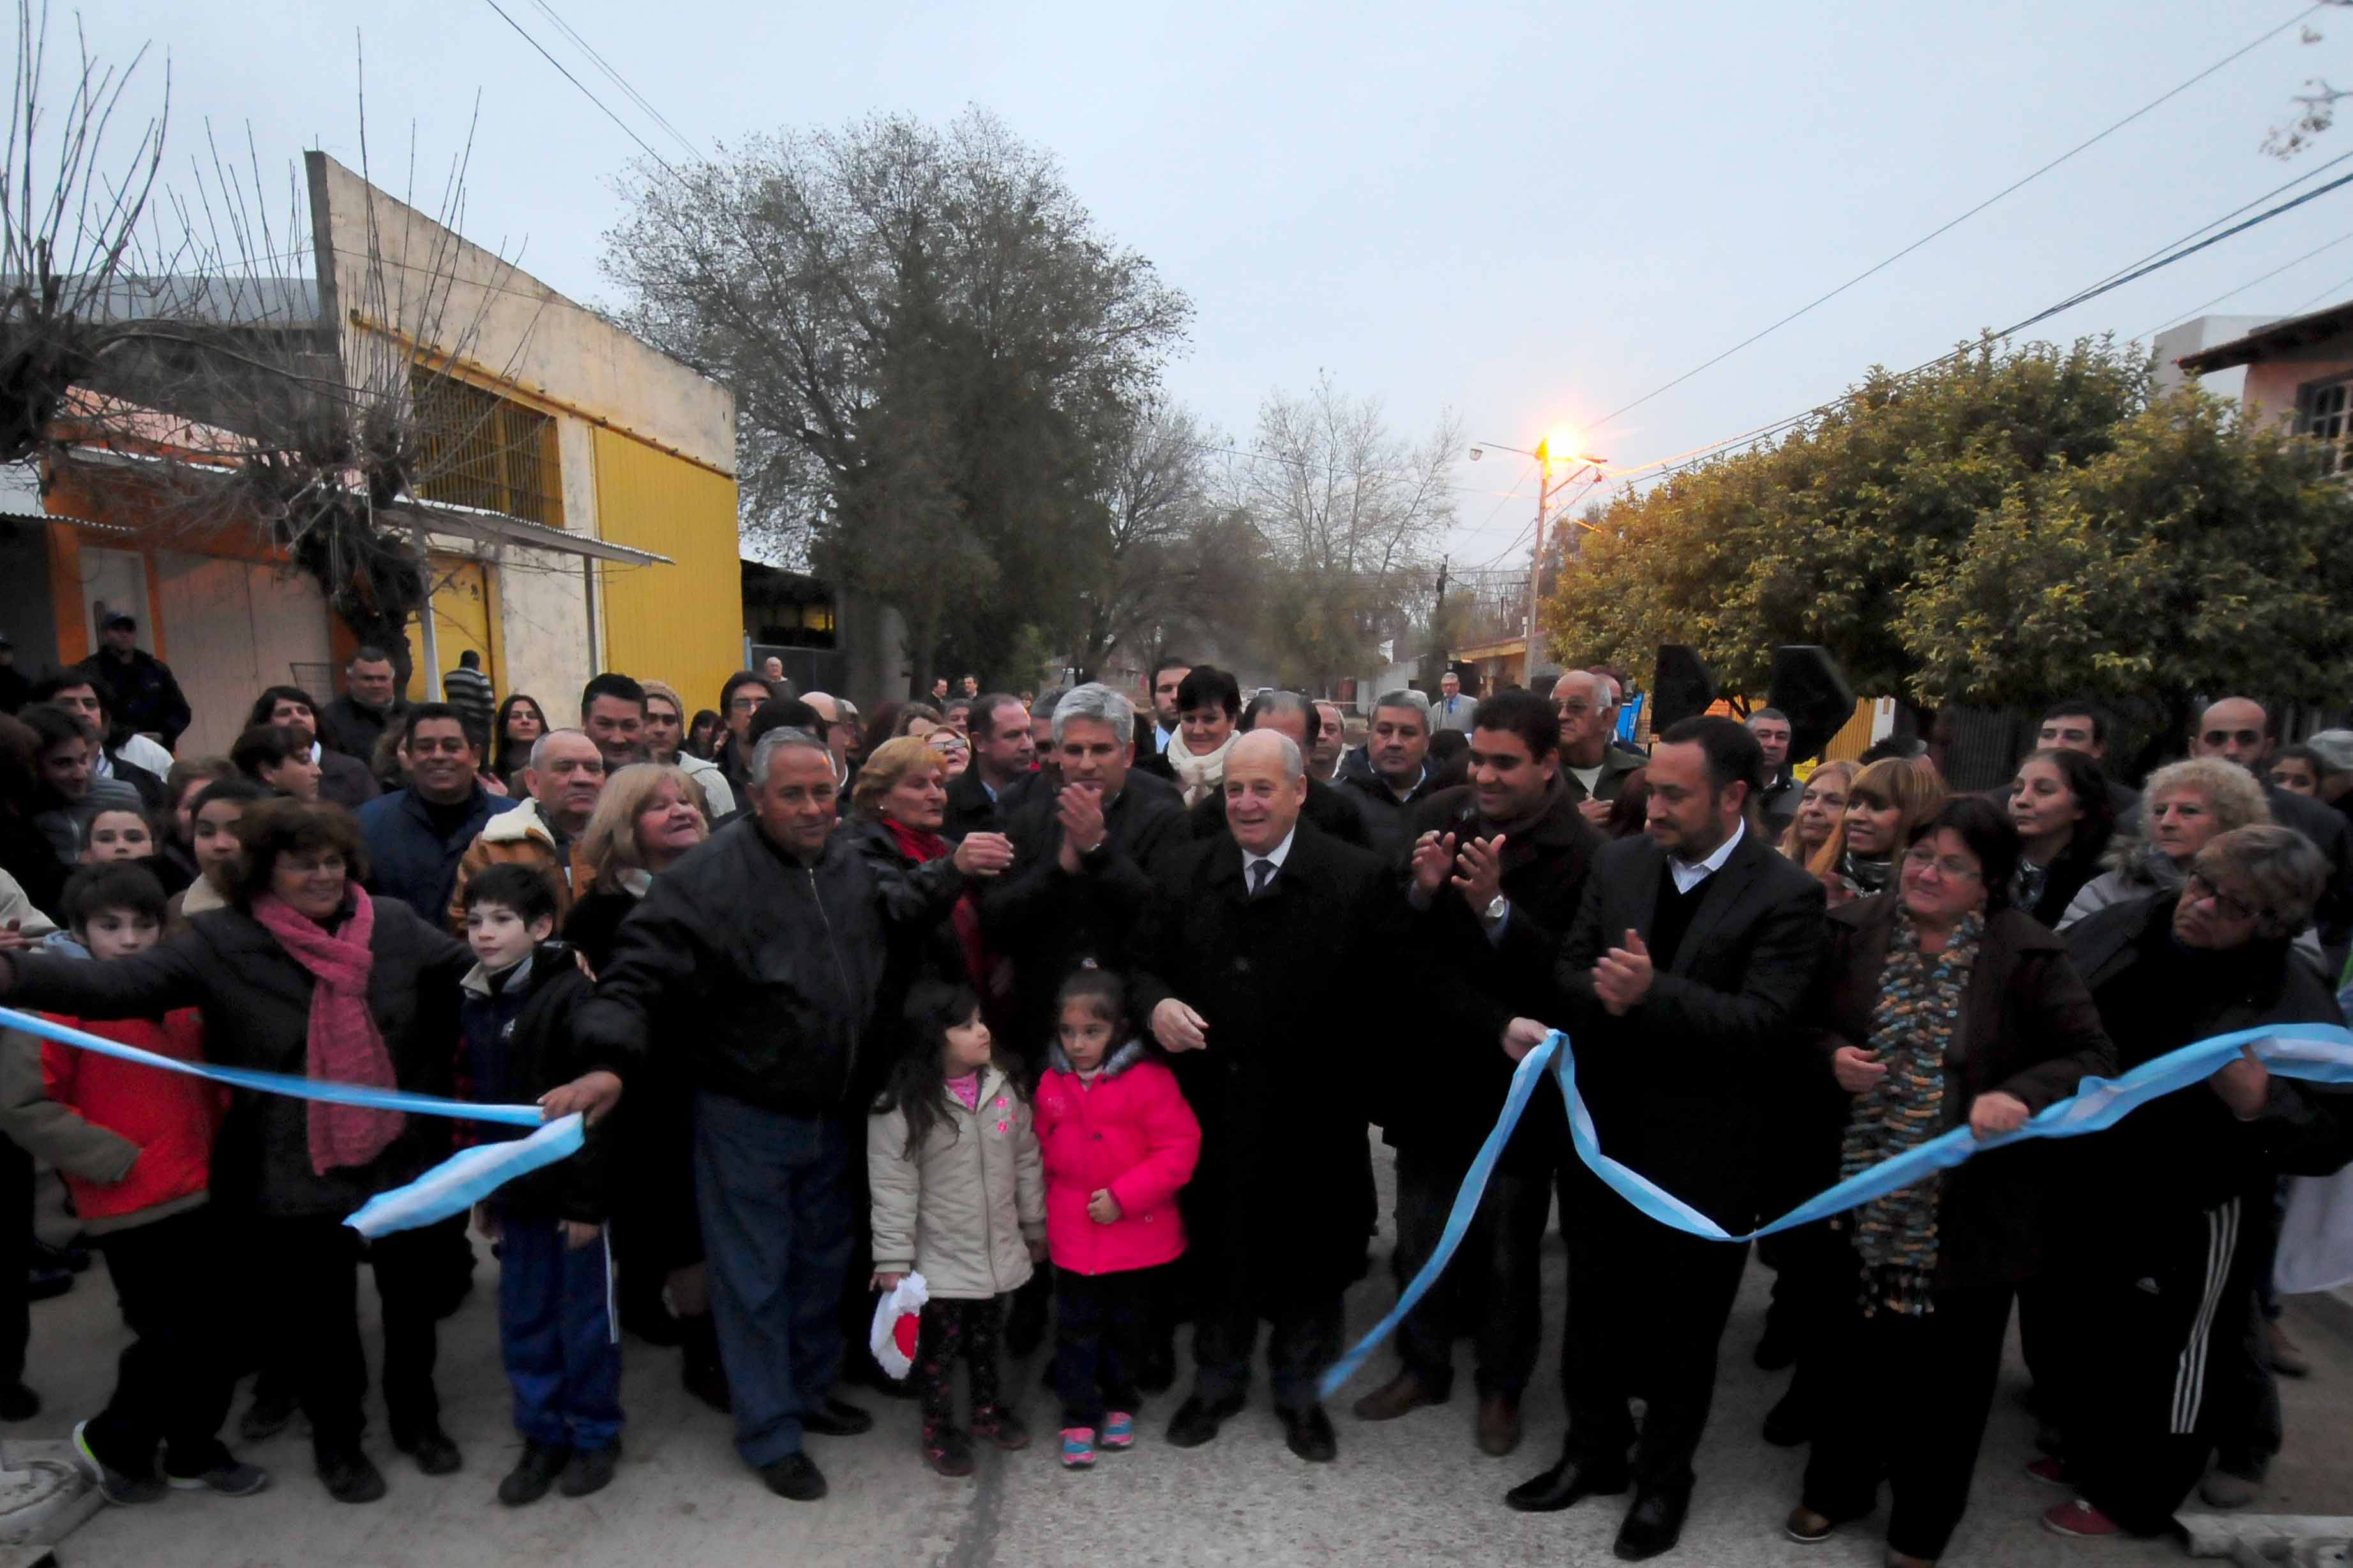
[2316,106]
[1351,514]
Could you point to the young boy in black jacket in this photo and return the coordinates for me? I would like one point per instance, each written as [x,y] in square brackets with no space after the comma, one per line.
[556,1331]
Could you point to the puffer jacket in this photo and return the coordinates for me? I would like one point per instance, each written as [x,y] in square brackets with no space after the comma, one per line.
[1130,1133]
[964,1208]
[520,838]
[133,1144]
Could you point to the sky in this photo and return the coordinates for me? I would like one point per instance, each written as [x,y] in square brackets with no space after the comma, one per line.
[1530,215]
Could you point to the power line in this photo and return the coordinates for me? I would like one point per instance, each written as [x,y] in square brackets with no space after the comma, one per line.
[565,72]
[2337,287]
[2112,281]
[1943,228]
[2282,267]
[616,77]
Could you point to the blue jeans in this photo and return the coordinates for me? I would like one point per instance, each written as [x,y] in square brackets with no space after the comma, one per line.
[558,1333]
[773,1194]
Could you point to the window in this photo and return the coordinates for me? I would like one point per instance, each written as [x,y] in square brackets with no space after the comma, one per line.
[479,450]
[2324,412]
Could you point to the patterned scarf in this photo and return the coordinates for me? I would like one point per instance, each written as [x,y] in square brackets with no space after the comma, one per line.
[344,1044]
[1911,1027]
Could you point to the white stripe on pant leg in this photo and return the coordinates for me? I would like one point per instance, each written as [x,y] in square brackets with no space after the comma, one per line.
[2189,1381]
[612,1299]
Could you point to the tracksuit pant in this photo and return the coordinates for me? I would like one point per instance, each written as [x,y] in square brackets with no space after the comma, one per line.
[559,1333]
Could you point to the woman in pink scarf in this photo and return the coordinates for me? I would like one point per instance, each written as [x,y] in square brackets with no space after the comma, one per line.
[305,973]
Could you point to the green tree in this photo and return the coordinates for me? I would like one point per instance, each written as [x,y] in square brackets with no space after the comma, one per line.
[932,345]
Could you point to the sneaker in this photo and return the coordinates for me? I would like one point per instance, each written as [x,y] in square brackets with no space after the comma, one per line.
[995,1423]
[1807,1527]
[591,1470]
[232,1477]
[1078,1447]
[533,1473]
[2227,1489]
[269,1414]
[2285,1356]
[947,1450]
[2082,1521]
[1119,1431]
[2050,1470]
[114,1485]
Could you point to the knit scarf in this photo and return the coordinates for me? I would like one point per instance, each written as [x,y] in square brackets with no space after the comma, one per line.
[1912,1028]
[1197,775]
[921,847]
[344,1044]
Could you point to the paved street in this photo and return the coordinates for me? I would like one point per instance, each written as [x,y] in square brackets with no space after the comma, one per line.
[1414,1491]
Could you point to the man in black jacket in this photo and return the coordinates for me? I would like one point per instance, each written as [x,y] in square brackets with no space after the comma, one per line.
[1679,984]
[1777,802]
[1004,759]
[139,687]
[1499,867]
[370,704]
[774,934]
[1395,775]
[1251,966]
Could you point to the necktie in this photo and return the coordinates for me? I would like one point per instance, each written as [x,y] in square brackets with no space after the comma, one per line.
[1262,873]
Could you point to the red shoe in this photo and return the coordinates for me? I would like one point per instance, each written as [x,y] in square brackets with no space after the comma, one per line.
[2050,1470]
[2082,1521]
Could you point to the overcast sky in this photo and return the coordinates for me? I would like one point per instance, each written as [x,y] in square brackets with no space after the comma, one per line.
[1532,214]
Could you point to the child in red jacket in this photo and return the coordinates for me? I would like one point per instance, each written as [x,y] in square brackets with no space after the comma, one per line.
[135,1143]
[1118,1141]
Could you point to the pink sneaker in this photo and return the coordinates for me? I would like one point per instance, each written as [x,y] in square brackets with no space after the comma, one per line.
[2050,1470]
[2082,1521]
[1119,1431]
[1078,1447]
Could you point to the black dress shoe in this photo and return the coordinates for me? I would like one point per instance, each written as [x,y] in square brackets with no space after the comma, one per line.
[1653,1525]
[348,1475]
[1566,1483]
[836,1418]
[1789,1422]
[1196,1420]
[795,1476]
[533,1473]
[1308,1433]
[430,1446]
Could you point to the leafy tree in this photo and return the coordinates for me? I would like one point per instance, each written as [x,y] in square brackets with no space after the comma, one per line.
[933,348]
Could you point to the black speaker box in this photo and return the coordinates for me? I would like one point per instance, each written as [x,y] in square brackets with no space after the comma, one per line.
[1682,687]
[1808,687]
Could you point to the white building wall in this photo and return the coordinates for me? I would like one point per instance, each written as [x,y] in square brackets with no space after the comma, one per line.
[544,635]
[233,627]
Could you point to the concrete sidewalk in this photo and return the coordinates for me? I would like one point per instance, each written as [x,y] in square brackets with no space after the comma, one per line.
[1412,1491]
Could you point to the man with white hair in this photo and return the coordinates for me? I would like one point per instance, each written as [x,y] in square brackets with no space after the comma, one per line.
[1591,770]
[1233,966]
[837,733]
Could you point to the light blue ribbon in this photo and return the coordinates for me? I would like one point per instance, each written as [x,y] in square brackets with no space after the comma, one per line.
[2320,1052]
[449,1188]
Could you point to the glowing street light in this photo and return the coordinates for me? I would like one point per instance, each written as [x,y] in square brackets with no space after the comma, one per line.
[1565,444]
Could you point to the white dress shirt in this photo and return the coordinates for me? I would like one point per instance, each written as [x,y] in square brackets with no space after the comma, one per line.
[1690,874]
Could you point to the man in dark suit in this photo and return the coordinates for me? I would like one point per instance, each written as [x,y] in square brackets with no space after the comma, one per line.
[1251,964]
[1498,870]
[982,798]
[1679,985]
[2239,729]
[1334,810]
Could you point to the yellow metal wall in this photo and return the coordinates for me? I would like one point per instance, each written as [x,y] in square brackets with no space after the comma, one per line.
[465,616]
[682,624]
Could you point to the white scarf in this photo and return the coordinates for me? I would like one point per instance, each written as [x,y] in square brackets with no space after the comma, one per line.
[1197,775]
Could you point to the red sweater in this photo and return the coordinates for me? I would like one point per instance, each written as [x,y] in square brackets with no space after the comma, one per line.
[169,1115]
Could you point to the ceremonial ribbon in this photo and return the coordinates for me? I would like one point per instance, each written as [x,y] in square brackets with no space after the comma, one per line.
[449,1188]
[2320,1052]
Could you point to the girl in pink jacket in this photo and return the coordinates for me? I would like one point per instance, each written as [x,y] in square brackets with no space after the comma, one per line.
[1118,1141]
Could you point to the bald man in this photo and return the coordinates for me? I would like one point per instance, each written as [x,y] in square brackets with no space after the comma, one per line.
[2239,729]
[1235,969]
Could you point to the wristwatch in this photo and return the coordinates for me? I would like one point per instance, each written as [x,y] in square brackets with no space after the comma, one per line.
[1496,910]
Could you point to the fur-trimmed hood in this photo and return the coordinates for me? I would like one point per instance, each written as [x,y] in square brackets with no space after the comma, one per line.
[1118,1062]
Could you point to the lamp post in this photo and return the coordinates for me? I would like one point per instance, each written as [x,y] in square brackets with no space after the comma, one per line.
[1545,491]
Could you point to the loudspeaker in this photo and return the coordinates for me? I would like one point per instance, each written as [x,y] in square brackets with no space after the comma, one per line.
[1683,688]
[1808,687]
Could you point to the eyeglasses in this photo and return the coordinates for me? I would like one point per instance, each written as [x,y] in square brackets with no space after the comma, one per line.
[2224,737]
[2198,889]
[744,704]
[1574,709]
[1950,868]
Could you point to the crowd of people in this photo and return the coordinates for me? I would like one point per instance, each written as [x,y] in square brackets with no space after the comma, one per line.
[1081,1015]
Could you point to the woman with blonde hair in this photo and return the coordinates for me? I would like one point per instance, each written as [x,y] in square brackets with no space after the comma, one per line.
[648,817]
[1886,801]
[1820,808]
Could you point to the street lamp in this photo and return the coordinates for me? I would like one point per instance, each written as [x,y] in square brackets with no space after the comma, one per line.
[1575,465]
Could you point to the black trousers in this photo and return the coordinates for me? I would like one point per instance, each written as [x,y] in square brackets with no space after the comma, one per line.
[1101,1325]
[1813,1293]
[2143,1413]
[15,1259]
[1494,1283]
[1647,1306]
[1905,1401]
[967,1331]
[316,1263]
[172,1382]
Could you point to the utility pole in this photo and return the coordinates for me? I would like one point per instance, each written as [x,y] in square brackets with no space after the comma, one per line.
[1438,651]
[1535,639]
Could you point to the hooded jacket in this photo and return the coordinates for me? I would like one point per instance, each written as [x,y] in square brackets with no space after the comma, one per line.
[522,837]
[1129,1132]
[962,1209]
[517,1043]
[133,1143]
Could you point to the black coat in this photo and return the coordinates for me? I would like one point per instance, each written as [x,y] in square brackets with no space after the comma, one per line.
[1684,1086]
[778,962]
[2328,829]
[2028,1028]
[141,693]
[970,809]
[1292,987]
[1051,923]
[355,728]
[1390,819]
[256,1001]
[1335,812]
[1479,983]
